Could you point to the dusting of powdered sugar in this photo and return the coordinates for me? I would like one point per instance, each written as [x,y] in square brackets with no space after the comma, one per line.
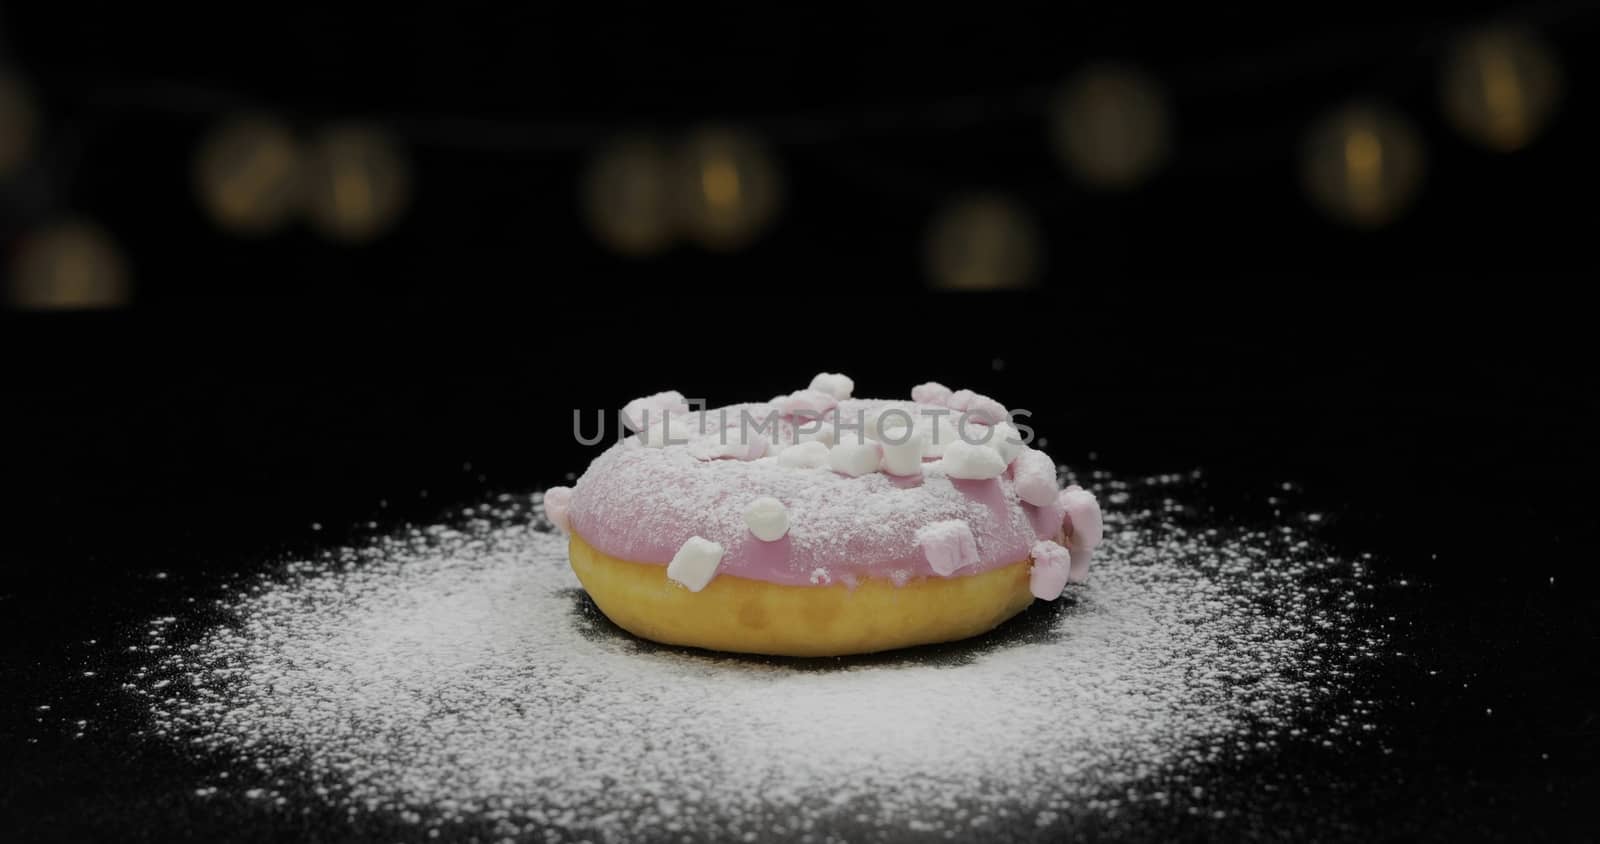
[456,676]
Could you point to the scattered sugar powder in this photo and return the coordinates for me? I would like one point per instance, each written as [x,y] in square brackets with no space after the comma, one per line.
[456,676]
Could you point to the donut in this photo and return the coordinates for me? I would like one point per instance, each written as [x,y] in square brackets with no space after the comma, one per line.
[817,524]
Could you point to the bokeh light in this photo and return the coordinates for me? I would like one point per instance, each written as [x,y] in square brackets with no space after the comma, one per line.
[1112,125]
[358,183]
[1500,87]
[248,174]
[1363,165]
[67,266]
[18,126]
[985,242]
[627,196]
[729,187]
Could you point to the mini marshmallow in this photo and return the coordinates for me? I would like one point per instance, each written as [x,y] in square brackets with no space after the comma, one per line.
[635,416]
[695,564]
[823,433]
[1083,515]
[931,393]
[902,451]
[1084,528]
[807,455]
[855,459]
[875,422]
[1008,441]
[1048,520]
[834,384]
[987,410]
[811,403]
[949,545]
[1052,566]
[668,431]
[1035,478]
[558,506]
[972,462]
[960,399]
[725,445]
[767,518]
[941,431]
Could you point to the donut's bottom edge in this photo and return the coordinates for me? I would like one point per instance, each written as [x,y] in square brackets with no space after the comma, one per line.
[740,615]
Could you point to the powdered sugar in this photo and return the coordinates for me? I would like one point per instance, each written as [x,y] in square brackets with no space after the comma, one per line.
[456,675]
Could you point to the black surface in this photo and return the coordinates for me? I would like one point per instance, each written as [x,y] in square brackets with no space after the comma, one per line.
[1454,445]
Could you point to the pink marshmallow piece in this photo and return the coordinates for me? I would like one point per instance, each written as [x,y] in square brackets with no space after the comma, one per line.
[931,393]
[634,413]
[1035,475]
[1080,562]
[557,506]
[812,403]
[987,410]
[960,399]
[1052,568]
[1048,520]
[1084,523]
[949,545]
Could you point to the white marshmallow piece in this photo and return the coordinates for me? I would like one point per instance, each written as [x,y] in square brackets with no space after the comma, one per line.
[806,455]
[986,410]
[941,431]
[695,564]
[903,448]
[808,404]
[855,459]
[972,462]
[669,431]
[558,506]
[949,545]
[634,414]
[767,518]
[931,393]
[1035,475]
[1007,440]
[823,432]
[834,384]
[727,444]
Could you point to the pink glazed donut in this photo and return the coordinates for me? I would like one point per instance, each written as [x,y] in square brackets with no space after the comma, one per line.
[817,524]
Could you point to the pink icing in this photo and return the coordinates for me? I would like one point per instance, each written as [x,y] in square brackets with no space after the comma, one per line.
[642,504]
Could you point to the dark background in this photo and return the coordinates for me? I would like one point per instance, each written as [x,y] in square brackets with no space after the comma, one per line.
[1427,385]
[875,117]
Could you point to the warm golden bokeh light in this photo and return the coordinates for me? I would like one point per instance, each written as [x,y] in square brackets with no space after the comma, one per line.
[358,183]
[67,266]
[1500,87]
[18,126]
[627,197]
[983,243]
[1363,165]
[728,187]
[248,174]
[1112,126]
